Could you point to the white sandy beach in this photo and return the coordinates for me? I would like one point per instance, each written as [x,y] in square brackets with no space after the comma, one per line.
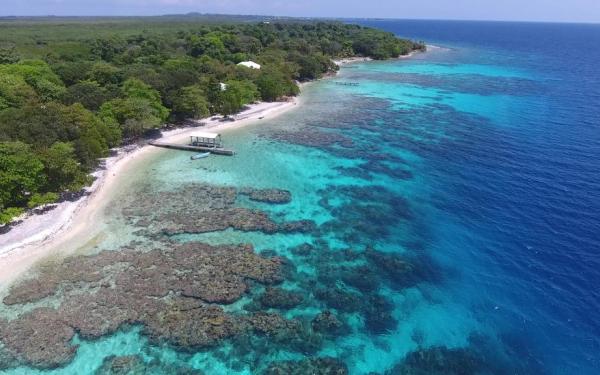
[51,233]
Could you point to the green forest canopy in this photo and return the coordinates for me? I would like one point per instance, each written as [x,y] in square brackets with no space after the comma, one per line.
[71,89]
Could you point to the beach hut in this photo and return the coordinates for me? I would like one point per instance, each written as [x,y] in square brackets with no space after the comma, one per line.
[249,64]
[206,139]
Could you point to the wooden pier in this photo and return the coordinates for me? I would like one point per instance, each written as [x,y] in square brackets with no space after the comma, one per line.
[179,146]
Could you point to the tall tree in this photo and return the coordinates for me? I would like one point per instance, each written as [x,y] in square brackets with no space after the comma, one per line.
[8,54]
[21,174]
[62,169]
[190,102]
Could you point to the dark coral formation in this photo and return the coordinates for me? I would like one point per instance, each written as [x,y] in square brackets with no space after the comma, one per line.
[278,298]
[272,324]
[348,281]
[370,209]
[272,196]
[94,315]
[313,138]
[351,137]
[340,299]
[438,360]
[212,221]
[378,314]
[31,290]
[327,322]
[303,250]
[292,334]
[401,272]
[298,226]
[40,338]
[71,270]
[369,269]
[135,365]
[362,278]
[309,366]
[122,365]
[191,328]
[376,309]
[213,274]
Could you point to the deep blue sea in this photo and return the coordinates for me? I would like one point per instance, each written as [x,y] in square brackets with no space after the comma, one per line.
[515,181]
[456,197]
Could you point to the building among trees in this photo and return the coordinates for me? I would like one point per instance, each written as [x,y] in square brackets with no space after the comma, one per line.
[250,64]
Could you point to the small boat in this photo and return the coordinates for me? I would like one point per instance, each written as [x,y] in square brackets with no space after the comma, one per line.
[200,156]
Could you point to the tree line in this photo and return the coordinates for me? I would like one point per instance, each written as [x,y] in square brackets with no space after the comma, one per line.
[63,109]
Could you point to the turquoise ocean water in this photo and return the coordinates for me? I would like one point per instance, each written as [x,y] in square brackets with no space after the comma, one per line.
[476,160]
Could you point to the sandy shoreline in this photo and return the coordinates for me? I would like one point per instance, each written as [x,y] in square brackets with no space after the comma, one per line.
[42,235]
[353,60]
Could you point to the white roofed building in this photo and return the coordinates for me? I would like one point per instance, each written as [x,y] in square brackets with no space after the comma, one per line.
[249,64]
[206,139]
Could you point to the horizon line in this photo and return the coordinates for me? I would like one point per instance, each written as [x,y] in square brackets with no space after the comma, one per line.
[302,18]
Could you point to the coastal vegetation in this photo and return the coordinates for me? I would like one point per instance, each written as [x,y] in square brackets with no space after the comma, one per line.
[71,90]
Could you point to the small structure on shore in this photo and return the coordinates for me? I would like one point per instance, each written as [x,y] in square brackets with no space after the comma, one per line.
[200,142]
[206,139]
[249,64]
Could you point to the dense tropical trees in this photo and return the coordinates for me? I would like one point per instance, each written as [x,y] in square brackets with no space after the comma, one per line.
[190,102]
[70,93]
[38,75]
[233,95]
[89,93]
[20,177]
[273,84]
[8,54]
[137,110]
[62,169]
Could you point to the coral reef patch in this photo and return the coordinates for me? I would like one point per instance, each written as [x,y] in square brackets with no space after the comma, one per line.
[202,208]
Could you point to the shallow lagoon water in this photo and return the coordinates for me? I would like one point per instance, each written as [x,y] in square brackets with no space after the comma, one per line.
[465,158]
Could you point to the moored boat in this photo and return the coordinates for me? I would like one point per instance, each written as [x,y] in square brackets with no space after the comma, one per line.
[200,156]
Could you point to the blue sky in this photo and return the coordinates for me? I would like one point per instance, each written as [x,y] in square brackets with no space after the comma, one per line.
[531,10]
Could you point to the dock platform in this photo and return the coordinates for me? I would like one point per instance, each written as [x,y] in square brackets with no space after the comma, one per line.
[179,146]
